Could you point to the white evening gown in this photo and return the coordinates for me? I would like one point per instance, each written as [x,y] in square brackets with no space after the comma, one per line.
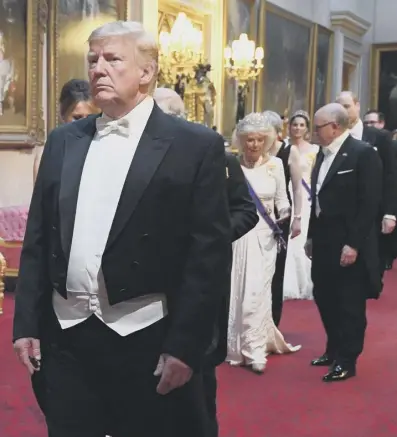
[252,334]
[297,274]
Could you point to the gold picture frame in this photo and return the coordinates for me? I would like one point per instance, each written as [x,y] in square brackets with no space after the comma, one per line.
[56,37]
[23,97]
[317,60]
[266,10]
[384,82]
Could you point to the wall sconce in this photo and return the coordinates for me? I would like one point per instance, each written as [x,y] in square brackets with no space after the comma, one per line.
[243,62]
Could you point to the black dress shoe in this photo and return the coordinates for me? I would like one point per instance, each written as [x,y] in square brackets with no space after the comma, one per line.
[322,361]
[338,373]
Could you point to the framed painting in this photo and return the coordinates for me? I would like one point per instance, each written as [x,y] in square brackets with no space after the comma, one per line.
[384,82]
[321,72]
[285,81]
[240,17]
[70,24]
[22,27]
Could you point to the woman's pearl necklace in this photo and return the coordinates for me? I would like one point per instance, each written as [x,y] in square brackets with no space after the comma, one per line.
[250,164]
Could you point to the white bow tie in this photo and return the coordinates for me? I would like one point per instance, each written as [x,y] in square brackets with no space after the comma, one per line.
[105,127]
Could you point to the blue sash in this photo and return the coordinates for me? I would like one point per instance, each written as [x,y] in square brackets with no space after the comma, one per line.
[277,232]
[307,188]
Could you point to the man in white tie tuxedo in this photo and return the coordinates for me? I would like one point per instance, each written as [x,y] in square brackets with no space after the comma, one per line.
[381,141]
[126,253]
[342,238]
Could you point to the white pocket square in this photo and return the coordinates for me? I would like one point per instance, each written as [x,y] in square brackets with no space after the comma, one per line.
[345,171]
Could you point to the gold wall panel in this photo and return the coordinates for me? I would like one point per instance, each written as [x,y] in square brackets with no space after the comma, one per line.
[168,12]
[69,28]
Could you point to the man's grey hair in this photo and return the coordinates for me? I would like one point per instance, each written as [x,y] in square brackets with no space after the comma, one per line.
[145,43]
[334,112]
[276,120]
[169,101]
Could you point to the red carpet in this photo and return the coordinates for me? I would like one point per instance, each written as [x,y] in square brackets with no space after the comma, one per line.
[289,400]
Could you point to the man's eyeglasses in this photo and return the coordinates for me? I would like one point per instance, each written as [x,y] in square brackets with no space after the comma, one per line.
[318,127]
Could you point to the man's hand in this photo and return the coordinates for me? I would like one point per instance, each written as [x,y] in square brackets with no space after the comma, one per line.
[388,226]
[174,373]
[26,349]
[348,256]
[308,248]
[296,228]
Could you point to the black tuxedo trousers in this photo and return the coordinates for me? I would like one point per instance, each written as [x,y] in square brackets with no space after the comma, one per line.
[339,293]
[97,382]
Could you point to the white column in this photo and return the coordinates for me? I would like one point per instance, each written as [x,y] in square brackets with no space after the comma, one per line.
[337,76]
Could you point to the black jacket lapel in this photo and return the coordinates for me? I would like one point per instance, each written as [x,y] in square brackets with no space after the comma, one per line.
[314,175]
[151,150]
[76,149]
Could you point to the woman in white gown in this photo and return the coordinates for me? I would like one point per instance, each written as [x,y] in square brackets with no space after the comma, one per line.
[297,277]
[252,333]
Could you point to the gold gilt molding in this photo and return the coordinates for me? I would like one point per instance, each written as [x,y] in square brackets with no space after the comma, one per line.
[31,133]
[53,53]
[316,31]
[167,13]
[313,64]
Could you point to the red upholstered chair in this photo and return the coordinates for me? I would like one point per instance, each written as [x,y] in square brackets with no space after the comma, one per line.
[12,231]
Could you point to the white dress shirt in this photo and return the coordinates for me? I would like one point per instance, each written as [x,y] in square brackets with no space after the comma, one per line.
[329,156]
[357,130]
[105,169]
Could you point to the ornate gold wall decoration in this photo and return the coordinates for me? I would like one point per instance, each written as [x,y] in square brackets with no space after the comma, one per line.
[21,45]
[68,29]
[187,74]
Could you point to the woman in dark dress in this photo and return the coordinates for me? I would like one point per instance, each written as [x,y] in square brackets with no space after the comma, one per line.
[75,102]
[289,155]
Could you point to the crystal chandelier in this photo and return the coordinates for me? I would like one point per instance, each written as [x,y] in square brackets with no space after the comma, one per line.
[180,49]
